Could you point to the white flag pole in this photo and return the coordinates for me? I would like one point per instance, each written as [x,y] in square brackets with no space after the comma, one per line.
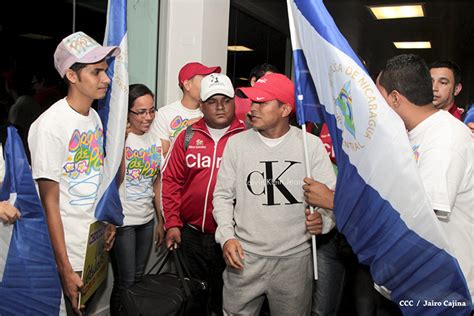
[295,45]
[311,208]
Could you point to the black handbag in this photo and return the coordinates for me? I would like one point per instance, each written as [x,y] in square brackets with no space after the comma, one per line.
[166,293]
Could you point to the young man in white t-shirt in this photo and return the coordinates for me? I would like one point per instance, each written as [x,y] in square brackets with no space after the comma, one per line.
[175,117]
[443,150]
[66,144]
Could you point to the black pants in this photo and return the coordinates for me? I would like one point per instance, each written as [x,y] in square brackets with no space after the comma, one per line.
[204,258]
[129,257]
[359,296]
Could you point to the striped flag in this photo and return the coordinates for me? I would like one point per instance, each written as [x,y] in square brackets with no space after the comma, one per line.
[380,203]
[113,113]
[29,281]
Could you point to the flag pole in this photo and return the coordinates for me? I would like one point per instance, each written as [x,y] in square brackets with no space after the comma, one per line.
[299,100]
[311,208]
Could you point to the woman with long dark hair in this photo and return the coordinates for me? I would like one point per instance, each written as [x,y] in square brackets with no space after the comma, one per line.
[139,194]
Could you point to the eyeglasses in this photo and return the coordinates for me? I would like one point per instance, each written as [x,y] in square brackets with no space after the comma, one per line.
[143,113]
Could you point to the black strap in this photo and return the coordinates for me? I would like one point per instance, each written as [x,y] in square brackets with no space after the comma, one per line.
[161,266]
[184,264]
[179,263]
[188,136]
[179,268]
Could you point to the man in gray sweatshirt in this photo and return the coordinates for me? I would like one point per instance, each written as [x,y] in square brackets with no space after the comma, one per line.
[263,224]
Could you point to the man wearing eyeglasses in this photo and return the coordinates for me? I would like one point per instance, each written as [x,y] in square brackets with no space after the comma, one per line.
[175,117]
[189,177]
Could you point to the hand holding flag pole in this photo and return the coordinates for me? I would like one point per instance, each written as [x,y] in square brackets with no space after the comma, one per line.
[311,208]
[300,113]
[395,232]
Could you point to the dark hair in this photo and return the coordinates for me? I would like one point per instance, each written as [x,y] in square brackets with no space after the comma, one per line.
[76,67]
[260,70]
[409,75]
[450,65]
[137,90]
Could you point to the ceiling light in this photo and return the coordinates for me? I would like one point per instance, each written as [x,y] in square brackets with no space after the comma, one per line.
[412,45]
[36,36]
[397,12]
[239,48]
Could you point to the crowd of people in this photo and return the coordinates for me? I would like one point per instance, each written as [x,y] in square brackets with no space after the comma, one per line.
[221,174]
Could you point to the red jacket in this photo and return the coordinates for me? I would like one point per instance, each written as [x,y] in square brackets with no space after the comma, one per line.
[327,141]
[189,177]
[456,112]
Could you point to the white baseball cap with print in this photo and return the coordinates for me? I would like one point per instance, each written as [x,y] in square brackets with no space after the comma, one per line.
[216,83]
[80,48]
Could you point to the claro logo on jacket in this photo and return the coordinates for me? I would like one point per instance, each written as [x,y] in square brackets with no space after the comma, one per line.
[201,161]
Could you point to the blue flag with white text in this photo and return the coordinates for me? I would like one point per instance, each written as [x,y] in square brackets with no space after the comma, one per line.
[29,280]
[380,204]
[113,113]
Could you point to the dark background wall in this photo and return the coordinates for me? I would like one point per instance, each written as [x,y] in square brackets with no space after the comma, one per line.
[259,24]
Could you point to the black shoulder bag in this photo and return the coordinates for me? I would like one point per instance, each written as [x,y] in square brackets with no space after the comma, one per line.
[163,294]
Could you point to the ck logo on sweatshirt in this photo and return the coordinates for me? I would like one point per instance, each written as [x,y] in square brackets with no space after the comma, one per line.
[265,183]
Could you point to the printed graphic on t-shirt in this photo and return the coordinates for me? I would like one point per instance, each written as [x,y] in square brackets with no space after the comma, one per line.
[177,125]
[84,161]
[270,179]
[416,153]
[142,165]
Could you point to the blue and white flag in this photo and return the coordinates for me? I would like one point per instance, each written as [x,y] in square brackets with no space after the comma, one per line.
[29,280]
[113,113]
[380,203]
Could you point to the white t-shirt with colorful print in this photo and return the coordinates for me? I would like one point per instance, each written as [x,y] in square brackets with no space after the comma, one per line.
[172,119]
[67,147]
[444,153]
[142,165]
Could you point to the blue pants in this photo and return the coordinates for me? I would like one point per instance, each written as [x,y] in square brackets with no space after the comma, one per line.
[344,285]
[129,257]
[328,289]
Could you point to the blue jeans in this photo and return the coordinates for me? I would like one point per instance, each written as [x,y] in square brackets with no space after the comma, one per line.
[328,289]
[344,285]
[129,257]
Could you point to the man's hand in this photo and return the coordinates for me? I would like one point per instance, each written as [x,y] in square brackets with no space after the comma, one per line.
[173,236]
[8,213]
[318,194]
[233,254]
[110,231]
[314,222]
[72,284]
[159,234]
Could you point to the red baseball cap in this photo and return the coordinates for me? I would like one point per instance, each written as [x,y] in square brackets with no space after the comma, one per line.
[192,69]
[272,86]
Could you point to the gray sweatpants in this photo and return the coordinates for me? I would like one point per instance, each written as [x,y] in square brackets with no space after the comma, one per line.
[286,281]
